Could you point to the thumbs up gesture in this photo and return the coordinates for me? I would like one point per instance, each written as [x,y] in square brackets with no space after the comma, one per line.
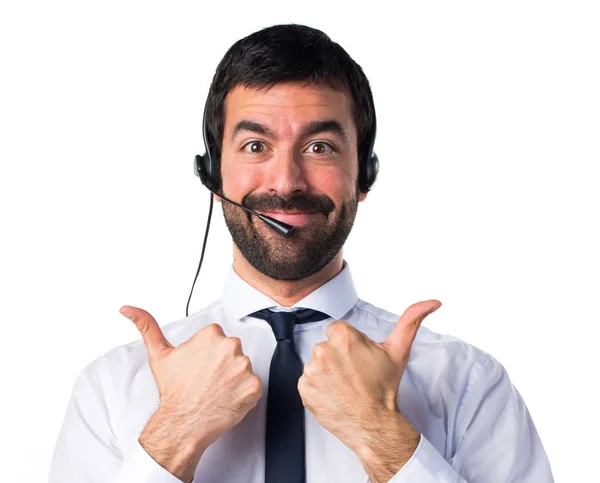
[351,383]
[206,387]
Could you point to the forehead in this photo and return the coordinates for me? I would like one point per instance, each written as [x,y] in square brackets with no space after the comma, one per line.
[287,106]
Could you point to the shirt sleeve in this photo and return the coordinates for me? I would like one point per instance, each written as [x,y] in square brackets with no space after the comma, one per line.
[87,451]
[496,438]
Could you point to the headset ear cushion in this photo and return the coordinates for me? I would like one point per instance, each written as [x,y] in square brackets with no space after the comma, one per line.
[203,170]
[370,175]
[374,169]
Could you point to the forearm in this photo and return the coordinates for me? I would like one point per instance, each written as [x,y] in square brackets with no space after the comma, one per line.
[387,446]
[167,439]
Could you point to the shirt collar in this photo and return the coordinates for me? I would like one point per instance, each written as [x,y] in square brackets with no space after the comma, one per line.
[335,297]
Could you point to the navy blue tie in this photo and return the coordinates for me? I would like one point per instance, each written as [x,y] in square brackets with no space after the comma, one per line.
[284,442]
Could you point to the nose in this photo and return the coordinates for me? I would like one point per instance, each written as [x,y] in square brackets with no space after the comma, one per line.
[286,174]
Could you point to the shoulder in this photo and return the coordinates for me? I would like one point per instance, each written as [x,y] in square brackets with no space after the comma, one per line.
[443,372]
[121,364]
[428,345]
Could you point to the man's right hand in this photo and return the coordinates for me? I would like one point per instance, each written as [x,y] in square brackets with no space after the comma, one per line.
[206,386]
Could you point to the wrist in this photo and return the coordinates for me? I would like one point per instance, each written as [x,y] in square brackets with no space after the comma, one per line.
[390,443]
[167,439]
[190,429]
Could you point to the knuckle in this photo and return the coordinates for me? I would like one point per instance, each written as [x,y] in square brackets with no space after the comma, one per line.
[344,335]
[233,344]
[143,330]
[302,384]
[338,330]
[253,387]
[309,370]
[256,384]
[319,351]
[213,330]
[245,363]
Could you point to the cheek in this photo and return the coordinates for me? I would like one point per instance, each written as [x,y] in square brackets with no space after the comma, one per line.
[239,181]
[336,184]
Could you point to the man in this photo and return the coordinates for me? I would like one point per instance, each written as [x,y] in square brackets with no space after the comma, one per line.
[289,376]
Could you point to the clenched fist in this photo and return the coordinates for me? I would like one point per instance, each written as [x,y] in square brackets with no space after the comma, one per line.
[351,387]
[206,386]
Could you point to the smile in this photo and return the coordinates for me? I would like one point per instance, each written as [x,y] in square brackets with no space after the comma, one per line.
[292,218]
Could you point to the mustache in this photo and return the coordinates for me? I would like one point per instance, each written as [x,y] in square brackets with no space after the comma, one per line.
[267,202]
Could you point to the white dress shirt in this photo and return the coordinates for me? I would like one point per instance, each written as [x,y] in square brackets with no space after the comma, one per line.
[474,424]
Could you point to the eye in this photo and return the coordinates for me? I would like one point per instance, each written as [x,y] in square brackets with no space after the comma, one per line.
[256,147]
[321,148]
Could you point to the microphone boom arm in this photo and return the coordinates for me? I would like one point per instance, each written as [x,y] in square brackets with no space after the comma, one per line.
[279,226]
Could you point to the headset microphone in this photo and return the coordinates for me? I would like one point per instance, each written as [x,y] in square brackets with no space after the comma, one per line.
[279,226]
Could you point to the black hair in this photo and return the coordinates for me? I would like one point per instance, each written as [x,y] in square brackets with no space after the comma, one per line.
[283,53]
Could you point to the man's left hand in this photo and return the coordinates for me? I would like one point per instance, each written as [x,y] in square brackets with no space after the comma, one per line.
[351,383]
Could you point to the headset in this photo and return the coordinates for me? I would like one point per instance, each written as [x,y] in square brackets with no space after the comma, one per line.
[207,169]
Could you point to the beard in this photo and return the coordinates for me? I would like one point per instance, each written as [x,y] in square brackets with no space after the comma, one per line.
[310,247]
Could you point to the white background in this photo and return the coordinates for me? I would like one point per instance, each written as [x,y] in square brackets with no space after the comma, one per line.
[488,198]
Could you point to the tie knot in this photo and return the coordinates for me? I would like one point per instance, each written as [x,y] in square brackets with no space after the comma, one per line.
[283,323]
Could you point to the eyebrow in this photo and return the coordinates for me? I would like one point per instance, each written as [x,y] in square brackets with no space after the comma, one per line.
[315,127]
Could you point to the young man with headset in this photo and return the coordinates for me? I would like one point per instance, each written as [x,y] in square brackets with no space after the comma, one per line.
[289,376]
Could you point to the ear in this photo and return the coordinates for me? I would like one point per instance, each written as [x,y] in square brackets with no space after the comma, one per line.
[218,198]
[362,196]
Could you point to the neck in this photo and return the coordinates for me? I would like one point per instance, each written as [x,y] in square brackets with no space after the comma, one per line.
[285,292]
